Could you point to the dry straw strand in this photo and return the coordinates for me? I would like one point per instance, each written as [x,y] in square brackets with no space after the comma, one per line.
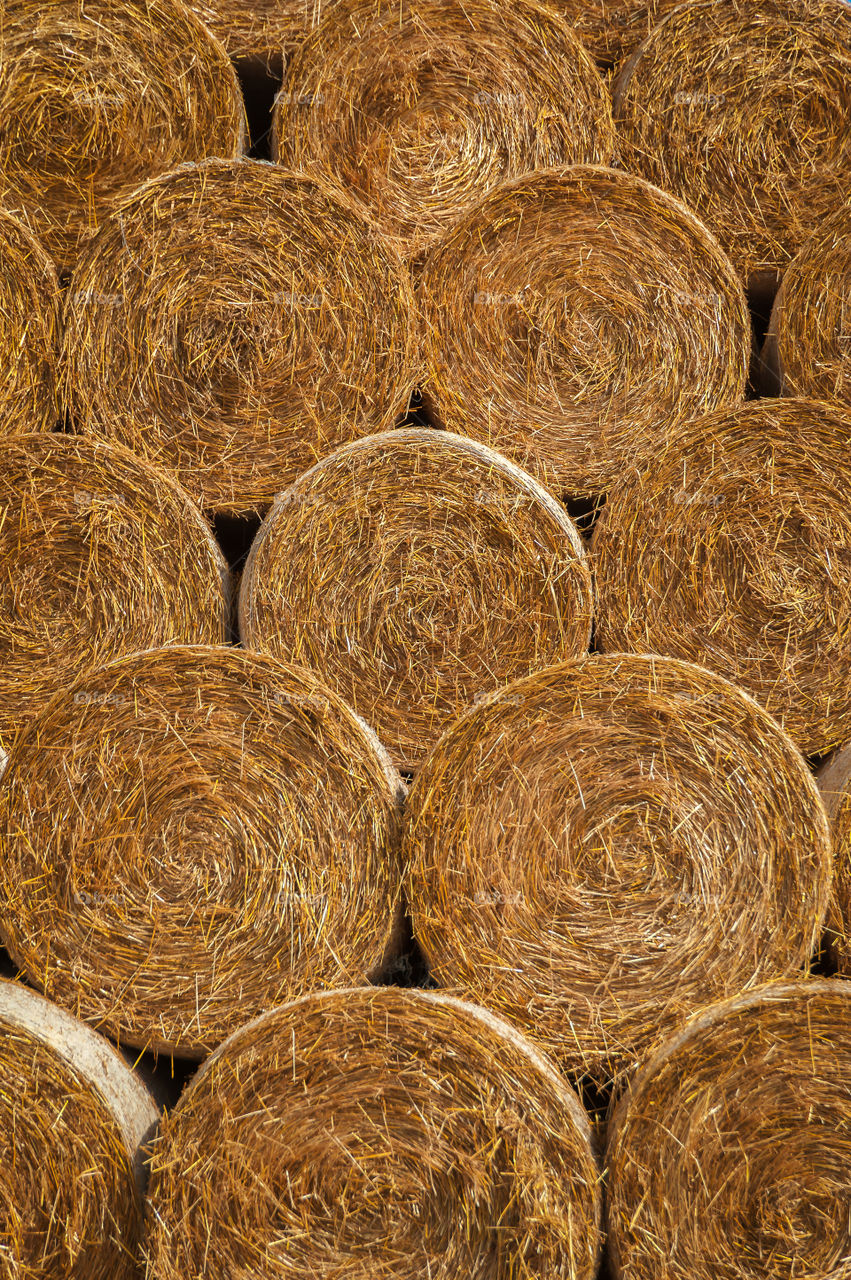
[100,553]
[267,30]
[72,1121]
[375,1134]
[807,349]
[228,841]
[834,781]
[603,847]
[421,107]
[95,96]
[731,547]
[415,571]
[293,334]
[743,109]
[577,315]
[29,331]
[729,1158]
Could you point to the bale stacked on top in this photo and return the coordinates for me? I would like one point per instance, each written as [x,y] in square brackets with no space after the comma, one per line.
[743,109]
[228,841]
[576,316]
[100,553]
[415,571]
[96,95]
[29,331]
[421,107]
[730,1158]
[731,547]
[834,781]
[808,345]
[72,1120]
[374,1133]
[235,323]
[601,848]
[267,30]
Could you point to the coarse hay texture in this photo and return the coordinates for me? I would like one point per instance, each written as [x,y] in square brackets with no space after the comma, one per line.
[730,1158]
[731,547]
[100,553]
[72,1121]
[611,29]
[834,782]
[415,571]
[743,109]
[375,1134]
[267,30]
[235,323]
[807,350]
[421,107]
[29,331]
[603,847]
[95,96]
[191,835]
[576,316]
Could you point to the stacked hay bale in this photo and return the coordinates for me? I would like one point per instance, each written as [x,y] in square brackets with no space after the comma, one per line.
[575,317]
[95,96]
[420,108]
[415,571]
[293,333]
[266,31]
[228,841]
[611,29]
[73,1118]
[375,1133]
[29,331]
[834,781]
[601,848]
[100,553]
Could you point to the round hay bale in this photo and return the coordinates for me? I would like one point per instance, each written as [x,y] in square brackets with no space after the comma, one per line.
[834,782]
[602,847]
[100,553]
[227,841]
[415,571]
[576,316]
[292,334]
[730,1157]
[73,1118]
[757,141]
[731,547]
[29,331]
[266,30]
[420,108]
[97,95]
[375,1132]
[807,349]
[611,29]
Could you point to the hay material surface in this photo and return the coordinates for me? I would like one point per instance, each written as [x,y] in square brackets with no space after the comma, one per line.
[29,331]
[235,323]
[601,848]
[416,571]
[95,96]
[730,1159]
[227,841]
[731,547]
[423,106]
[72,1117]
[834,781]
[743,109]
[380,1135]
[577,316]
[611,29]
[100,553]
[808,345]
[264,29]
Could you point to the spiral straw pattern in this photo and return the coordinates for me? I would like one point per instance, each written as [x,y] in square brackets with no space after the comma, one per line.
[375,1134]
[603,847]
[29,331]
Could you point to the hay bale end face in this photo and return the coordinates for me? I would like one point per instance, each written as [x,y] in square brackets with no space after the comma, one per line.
[730,1157]
[72,1121]
[415,571]
[743,110]
[419,109]
[29,331]
[373,1133]
[235,323]
[96,96]
[603,847]
[577,316]
[731,547]
[100,553]
[228,841]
